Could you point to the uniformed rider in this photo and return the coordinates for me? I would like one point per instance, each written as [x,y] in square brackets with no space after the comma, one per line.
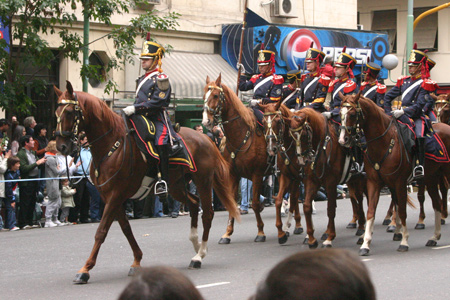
[314,85]
[152,97]
[371,88]
[292,91]
[267,86]
[413,90]
[429,105]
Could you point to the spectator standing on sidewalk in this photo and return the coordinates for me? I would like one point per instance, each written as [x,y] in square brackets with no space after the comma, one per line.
[19,131]
[29,123]
[40,142]
[66,200]
[53,171]
[13,165]
[28,189]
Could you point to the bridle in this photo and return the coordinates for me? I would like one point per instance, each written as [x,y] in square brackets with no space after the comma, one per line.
[296,134]
[439,110]
[354,130]
[270,135]
[73,134]
[217,111]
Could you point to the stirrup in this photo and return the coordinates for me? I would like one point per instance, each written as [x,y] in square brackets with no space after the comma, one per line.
[161,188]
[418,172]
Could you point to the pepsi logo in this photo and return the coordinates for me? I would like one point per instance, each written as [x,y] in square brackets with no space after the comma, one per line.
[295,46]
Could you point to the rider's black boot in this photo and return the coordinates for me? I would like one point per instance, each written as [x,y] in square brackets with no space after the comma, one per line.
[418,172]
[161,186]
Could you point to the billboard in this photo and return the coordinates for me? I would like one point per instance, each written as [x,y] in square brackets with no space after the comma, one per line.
[291,43]
[4,36]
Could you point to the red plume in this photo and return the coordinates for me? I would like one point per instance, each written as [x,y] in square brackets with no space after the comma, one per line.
[312,44]
[415,46]
[368,59]
[262,46]
[425,51]
[148,36]
[343,50]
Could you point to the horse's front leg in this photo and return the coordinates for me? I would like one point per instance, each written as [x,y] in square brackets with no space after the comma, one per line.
[331,212]
[373,194]
[387,219]
[311,189]
[294,206]
[432,188]
[402,195]
[257,205]
[110,212]
[282,232]
[226,237]
[421,197]
[443,187]
[126,229]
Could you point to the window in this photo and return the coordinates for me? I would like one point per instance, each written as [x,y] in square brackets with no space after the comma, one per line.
[386,20]
[426,32]
[97,59]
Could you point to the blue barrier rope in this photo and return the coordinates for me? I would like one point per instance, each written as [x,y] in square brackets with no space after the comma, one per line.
[35,179]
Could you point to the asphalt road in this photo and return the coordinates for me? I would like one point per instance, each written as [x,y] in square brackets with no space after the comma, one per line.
[41,263]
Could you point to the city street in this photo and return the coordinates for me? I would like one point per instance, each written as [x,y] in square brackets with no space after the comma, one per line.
[41,263]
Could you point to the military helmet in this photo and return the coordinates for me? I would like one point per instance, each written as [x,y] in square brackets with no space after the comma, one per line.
[151,50]
[293,75]
[314,55]
[265,57]
[345,60]
[416,57]
[431,63]
[372,69]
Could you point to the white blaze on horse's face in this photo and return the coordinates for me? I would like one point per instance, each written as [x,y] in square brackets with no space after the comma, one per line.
[270,148]
[301,159]
[344,113]
[206,121]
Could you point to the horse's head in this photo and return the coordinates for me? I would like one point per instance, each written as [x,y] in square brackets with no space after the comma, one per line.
[68,118]
[214,101]
[442,107]
[350,116]
[301,132]
[273,126]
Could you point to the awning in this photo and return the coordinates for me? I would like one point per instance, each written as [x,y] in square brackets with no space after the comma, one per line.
[188,71]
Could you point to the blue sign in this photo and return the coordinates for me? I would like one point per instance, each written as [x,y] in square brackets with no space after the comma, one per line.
[4,35]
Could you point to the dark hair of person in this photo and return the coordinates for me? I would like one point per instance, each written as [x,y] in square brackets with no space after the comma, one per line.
[24,139]
[4,122]
[328,274]
[160,283]
[12,161]
[38,128]
[17,133]
[197,126]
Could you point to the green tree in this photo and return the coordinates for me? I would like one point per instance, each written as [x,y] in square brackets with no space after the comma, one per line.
[30,20]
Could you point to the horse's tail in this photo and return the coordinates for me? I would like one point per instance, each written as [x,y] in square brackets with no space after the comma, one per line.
[222,185]
[410,202]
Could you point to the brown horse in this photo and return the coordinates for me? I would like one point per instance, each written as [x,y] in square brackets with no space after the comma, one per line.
[387,162]
[280,143]
[442,107]
[326,165]
[118,169]
[245,145]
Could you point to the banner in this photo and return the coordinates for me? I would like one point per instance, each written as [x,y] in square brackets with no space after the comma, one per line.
[291,43]
[4,35]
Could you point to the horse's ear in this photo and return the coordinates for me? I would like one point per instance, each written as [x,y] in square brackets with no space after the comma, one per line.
[277,105]
[358,96]
[263,106]
[69,87]
[341,96]
[57,91]
[287,120]
[219,79]
[208,80]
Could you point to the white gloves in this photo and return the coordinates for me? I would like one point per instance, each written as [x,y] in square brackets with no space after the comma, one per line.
[398,113]
[327,114]
[254,102]
[240,66]
[129,110]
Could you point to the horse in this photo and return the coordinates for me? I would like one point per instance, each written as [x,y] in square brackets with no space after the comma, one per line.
[442,107]
[387,162]
[245,145]
[118,169]
[325,165]
[281,144]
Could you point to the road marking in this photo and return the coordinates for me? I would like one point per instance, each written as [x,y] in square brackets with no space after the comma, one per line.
[212,284]
[367,259]
[441,247]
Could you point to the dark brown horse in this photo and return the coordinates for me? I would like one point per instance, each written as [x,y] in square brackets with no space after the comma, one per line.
[245,147]
[280,143]
[118,170]
[387,162]
[326,165]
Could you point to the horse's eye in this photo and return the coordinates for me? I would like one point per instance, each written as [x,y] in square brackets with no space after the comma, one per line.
[216,96]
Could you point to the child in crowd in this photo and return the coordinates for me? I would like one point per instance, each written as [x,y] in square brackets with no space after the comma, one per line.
[53,171]
[66,200]
[13,173]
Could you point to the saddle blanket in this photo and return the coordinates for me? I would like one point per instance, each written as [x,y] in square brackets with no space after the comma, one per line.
[145,138]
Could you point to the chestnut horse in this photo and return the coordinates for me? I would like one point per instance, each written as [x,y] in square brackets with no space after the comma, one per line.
[245,147]
[118,169]
[281,144]
[387,162]
[326,165]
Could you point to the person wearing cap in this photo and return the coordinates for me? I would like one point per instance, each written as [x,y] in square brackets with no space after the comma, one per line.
[314,85]
[413,91]
[152,98]
[371,88]
[343,83]
[267,86]
[429,105]
[292,91]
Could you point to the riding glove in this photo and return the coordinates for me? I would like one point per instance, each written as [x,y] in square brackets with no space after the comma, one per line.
[240,66]
[327,114]
[129,110]
[254,102]
[398,113]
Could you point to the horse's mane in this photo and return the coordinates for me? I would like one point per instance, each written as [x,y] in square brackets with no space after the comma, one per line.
[98,109]
[245,112]
[313,116]
[368,105]
[285,111]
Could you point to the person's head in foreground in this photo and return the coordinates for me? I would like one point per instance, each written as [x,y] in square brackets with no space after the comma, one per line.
[328,274]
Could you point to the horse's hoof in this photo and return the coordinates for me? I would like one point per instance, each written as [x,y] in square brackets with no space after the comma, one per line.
[364,252]
[360,241]
[324,236]
[386,222]
[133,271]
[313,245]
[431,243]
[327,246]
[298,230]
[420,226]
[81,278]
[390,228]
[224,241]
[397,237]
[195,264]
[287,233]
[282,240]
[351,226]
[402,248]
[305,241]
[260,238]
[442,222]
[359,232]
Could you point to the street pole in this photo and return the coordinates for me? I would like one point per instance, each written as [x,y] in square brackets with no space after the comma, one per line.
[409,34]
[241,46]
[85,42]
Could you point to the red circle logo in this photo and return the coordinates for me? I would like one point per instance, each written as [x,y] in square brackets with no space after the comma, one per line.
[295,46]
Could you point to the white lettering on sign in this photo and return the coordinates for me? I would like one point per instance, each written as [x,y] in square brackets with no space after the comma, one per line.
[360,54]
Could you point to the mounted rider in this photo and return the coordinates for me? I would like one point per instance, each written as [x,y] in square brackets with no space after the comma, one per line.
[267,86]
[152,97]
[314,85]
[371,88]
[292,91]
[413,90]
[429,106]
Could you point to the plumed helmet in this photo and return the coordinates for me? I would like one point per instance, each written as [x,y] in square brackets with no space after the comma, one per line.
[293,75]
[345,59]
[314,55]
[372,69]
[416,57]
